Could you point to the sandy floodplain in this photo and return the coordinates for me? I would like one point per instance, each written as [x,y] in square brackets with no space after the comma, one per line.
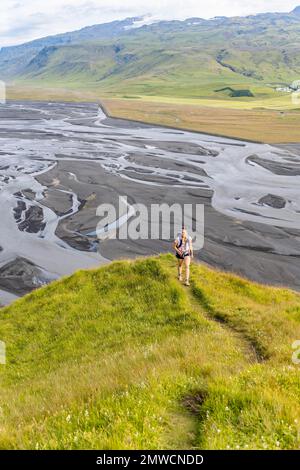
[59,161]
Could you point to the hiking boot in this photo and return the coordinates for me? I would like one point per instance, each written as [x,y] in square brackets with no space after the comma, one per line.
[187,283]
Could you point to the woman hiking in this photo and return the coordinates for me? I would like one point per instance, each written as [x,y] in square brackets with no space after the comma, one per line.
[184,252]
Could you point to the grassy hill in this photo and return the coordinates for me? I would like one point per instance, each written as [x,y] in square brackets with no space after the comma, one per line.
[126,357]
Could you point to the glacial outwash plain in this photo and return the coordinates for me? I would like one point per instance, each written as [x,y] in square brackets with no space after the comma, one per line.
[60,161]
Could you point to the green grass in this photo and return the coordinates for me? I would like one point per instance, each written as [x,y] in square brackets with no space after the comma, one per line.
[172,61]
[125,357]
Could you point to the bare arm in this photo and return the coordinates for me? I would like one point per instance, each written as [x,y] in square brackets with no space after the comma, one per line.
[175,246]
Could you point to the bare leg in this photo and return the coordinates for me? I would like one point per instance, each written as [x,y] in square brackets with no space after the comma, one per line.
[187,261]
[180,264]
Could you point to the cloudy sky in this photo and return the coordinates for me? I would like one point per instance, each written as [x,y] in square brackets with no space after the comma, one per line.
[24,20]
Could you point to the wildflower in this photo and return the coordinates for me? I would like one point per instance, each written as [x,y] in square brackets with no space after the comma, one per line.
[68,418]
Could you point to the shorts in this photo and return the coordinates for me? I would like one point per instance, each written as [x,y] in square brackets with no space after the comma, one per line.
[184,255]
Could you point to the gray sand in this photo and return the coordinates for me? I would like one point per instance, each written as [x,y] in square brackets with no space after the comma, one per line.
[59,161]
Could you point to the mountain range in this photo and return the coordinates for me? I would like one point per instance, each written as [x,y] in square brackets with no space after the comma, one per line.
[193,58]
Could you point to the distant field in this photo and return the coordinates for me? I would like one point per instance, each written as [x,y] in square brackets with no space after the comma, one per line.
[51,94]
[271,119]
[263,125]
[262,100]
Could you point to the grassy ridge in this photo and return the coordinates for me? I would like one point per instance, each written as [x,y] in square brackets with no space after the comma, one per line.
[126,357]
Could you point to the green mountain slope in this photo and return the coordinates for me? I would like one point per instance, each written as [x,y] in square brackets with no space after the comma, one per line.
[126,357]
[188,58]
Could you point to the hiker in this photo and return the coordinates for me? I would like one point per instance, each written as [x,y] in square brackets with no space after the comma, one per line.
[184,252]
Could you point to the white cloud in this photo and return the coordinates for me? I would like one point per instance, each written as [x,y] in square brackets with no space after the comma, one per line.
[31,19]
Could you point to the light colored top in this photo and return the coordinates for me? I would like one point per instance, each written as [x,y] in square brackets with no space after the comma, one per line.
[184,246]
